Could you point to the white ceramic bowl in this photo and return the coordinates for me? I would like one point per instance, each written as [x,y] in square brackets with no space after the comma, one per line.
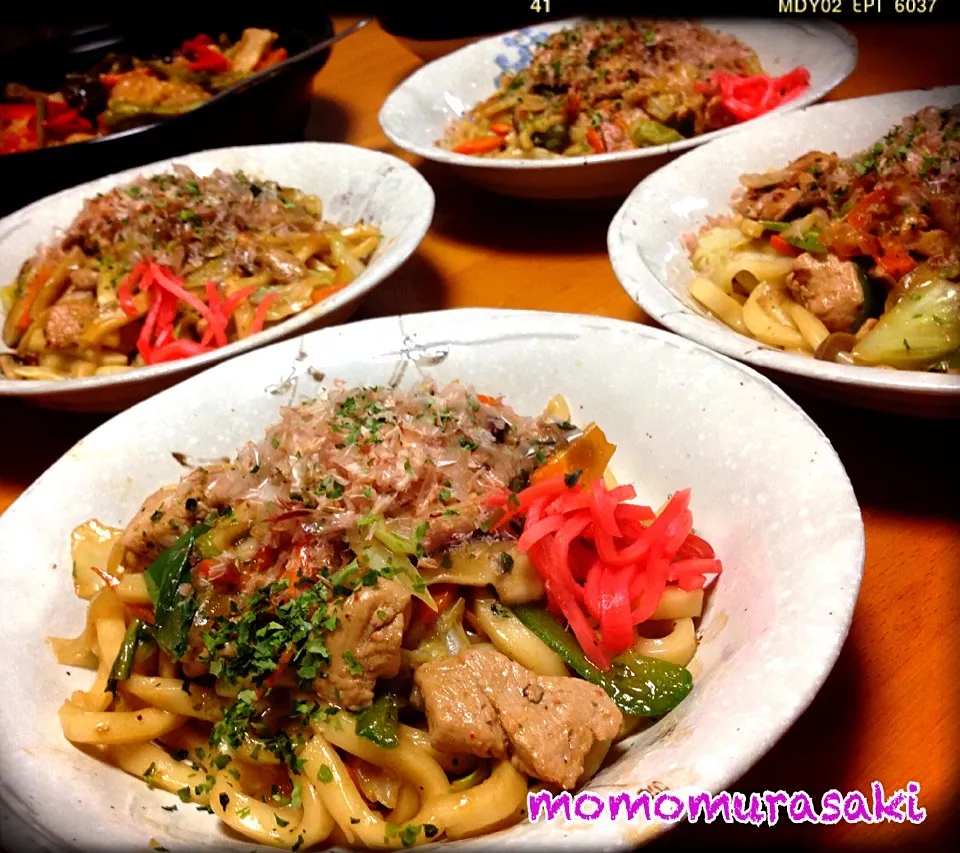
[773,498]
[353,183]
[417,111]
[648,256]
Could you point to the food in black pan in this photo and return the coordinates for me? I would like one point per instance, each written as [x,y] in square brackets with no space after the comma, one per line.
[122,90]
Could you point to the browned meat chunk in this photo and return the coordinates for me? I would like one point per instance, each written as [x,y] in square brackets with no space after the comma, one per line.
[830,289]
[481,702]
[365,645]
[772,204]
[801,185]
[68,318]
[166,515]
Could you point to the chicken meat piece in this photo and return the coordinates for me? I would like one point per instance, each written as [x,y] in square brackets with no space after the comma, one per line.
[830,289]
[68,318]
[166,515]
[365,645]
[481,702]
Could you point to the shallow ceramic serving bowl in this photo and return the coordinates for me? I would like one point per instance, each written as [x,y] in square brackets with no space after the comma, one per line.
[648,256]
[353,183]
[771,631]
[417,111]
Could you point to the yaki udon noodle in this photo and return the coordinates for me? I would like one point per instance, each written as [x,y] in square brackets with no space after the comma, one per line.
[354,632]
[171,266]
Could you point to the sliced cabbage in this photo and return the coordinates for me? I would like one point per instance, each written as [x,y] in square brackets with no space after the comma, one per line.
[921,329]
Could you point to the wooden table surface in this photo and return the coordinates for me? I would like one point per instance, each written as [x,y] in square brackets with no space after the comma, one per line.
[889,710]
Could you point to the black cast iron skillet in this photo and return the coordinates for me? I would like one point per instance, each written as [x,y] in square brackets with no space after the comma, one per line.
[272,106]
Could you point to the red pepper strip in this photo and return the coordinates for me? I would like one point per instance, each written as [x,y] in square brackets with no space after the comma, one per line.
[573,526]
[694,566]
[749,97]
[261,316]
[13,112]
[169,283]
[501,129]
[176,350]
[444,594]
[591,590]
[566,602]
[677,530]
[142,612]
[595,141]
[23,322]
[218,329]
[777,242]
[615,621]
[792,83]
[604,507]
[535,532]
[271,58]
[125,288]
[234,299]
[695,547]
[587,569]
[517,504]
[639,549]
[144,346]
[165,318]
[893,259]
[69,122]
[196,44]
[867,208]
[688,583]
[622,493]
[634,512]
[210,60]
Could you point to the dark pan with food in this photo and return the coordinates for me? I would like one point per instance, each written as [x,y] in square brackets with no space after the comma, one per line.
[111,97]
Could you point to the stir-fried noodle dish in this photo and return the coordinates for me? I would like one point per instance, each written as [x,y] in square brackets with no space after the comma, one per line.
[383,622]
[171,266]
[854,260]
[123,90]
[605,86]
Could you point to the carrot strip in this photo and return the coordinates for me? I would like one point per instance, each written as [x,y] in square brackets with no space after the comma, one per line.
[595,141]
[23,323]
[480,145]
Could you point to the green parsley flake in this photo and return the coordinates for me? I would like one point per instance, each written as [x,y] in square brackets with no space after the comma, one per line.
[353,666]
